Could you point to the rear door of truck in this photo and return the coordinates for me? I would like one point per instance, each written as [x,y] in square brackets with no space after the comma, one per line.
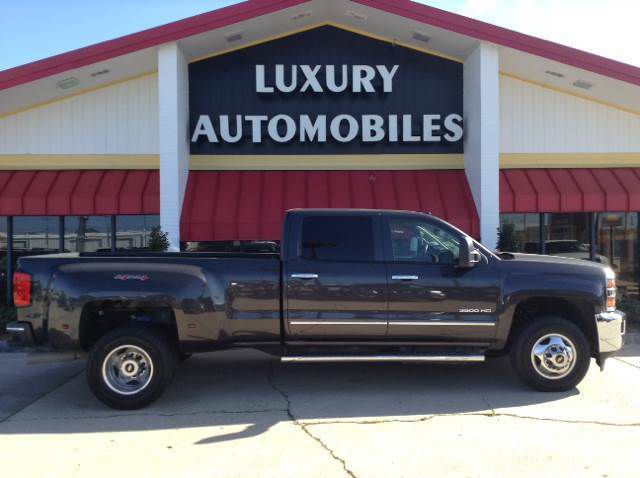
[335,283]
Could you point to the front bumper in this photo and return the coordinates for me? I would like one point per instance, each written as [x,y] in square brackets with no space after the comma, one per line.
[21,332]
[611,329]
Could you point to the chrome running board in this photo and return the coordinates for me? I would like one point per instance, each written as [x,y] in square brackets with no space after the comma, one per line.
[382,358]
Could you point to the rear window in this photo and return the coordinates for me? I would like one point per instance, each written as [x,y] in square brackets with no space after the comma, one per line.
[337,238]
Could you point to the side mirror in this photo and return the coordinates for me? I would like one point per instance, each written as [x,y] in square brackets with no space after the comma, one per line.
[469,255]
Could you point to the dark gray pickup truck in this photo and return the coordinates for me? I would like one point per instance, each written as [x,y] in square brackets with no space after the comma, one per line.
[349,285]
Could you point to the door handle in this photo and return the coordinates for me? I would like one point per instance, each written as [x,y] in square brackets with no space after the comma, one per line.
[404,277]
[304,275]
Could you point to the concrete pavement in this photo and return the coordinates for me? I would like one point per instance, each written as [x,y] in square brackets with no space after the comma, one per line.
[240,413]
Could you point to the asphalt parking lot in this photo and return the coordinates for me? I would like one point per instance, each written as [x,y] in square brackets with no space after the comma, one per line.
[242,414]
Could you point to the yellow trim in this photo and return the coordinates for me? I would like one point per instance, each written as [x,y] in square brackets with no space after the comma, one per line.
[78,161]
[77,93]
[569,160]
[326,162]
[323,24]
[571,93]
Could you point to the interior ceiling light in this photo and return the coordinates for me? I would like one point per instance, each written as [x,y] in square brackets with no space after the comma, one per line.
[100,73]
[301,15]
[585,85]
[358,16]
[421,36]
[233,36]
[67,83]
[555,73]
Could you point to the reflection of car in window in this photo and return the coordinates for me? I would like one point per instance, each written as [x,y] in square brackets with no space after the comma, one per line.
[564,248]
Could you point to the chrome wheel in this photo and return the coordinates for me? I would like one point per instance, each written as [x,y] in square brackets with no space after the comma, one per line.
[553,356]
[127,370]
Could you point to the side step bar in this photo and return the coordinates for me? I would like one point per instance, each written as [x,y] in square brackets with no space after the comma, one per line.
[382,358]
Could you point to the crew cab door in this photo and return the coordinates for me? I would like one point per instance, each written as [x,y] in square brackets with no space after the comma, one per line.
[335,278]
[430,297]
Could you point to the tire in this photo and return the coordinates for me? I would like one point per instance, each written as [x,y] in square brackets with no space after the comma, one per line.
[129,367]
[565,350]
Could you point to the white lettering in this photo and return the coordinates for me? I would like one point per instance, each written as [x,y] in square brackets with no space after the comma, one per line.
[310,130]
[331,79]
[428,127]
[362,76]
[387,77]
[311,80]
[204,127]
[372,130]
[393,128]
[453,123]
[224,129]
[407,130]
[256,126]
[352,130]
[290,128]
[280,84]
[260,81]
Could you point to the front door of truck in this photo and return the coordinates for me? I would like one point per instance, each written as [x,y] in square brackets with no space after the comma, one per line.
[430,297]
[335,279]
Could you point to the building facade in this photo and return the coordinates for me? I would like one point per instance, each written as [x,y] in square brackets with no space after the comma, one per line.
[212,127]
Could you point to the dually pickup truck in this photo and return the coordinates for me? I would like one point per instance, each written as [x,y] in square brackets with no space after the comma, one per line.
[348,286]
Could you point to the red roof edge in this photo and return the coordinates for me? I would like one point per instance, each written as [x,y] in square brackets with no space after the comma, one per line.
[255,8]
[508,38]
[140,40]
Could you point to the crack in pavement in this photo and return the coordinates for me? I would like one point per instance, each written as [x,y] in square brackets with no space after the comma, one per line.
[303,426]
[491,414]
[153,414]
[625,362]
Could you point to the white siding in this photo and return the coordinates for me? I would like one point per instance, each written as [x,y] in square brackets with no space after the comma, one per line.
[535,119]
[118,119]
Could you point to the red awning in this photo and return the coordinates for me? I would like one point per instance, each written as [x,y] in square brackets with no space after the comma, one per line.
[232,205]
[88,192]
[570,190]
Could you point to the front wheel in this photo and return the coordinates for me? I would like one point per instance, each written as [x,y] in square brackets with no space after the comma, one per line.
[551,354]
[130,367]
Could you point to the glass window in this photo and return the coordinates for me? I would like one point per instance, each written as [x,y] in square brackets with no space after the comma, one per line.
[335,238]
[132,232]
[36,233]
[617,234]
[87,233]
[567,235]
[519,233]
[423,241]
[231,246]
[3,271]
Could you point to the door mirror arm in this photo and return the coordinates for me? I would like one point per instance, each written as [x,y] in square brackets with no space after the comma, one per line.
[469,255]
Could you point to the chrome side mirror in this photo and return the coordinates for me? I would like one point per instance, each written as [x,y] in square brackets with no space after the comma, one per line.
[469,255]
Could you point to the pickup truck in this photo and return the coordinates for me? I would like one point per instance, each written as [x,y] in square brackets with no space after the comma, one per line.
[347,286]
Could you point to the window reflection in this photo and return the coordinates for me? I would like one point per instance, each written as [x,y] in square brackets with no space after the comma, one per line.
[617,234]
[3,268]
[36,233]
[567,235]
[87,233]
[132,232]
[524,235]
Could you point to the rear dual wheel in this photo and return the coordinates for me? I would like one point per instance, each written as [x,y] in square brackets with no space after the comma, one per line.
[130,367]
[551,354]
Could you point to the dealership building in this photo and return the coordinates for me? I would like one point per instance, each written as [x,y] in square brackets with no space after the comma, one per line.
[215,125]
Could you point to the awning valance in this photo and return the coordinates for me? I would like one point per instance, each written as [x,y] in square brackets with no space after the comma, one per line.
[72,192]
[570,190]
[230,205]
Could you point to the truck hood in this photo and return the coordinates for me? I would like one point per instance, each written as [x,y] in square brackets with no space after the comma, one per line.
[551,264]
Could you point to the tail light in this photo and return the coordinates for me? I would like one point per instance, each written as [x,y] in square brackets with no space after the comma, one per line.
[611,295]
[21,289]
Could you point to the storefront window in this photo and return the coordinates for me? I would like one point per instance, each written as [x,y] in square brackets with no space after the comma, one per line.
[36,234]
[567,235]
[4,310]
[87,233]
[617,235]
[520,233]
[132,232]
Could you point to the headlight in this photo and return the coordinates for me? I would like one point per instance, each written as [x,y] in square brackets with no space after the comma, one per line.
[610,289]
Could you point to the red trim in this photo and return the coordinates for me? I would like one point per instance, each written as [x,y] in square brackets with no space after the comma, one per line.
[141,40]
[570,190]
[231,205]
[255,8]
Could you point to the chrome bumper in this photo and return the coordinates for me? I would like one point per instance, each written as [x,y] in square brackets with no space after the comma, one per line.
[611,330]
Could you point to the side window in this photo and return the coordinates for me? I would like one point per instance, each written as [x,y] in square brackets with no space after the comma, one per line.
[423,241]
[336,238]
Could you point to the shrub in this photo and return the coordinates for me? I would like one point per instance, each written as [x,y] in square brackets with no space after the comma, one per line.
[158,239]
[507,239]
